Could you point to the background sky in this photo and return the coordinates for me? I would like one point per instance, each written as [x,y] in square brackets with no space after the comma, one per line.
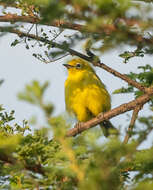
[19,67]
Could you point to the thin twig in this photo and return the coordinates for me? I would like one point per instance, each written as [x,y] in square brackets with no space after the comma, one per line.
[53,60]
[133,119]
[29,32]
[37,33]
[58,34]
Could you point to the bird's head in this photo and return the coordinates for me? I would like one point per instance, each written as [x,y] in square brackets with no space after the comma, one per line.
[78,65]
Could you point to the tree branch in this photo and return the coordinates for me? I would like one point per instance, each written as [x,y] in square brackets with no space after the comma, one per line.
[36,20]
[16,18]
[122,76]
[73,52]
[134,117]
[112,113]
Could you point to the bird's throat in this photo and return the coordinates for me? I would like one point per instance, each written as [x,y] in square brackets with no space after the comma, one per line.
[76,76]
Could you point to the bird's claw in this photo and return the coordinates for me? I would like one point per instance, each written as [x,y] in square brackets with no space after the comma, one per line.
[78,126]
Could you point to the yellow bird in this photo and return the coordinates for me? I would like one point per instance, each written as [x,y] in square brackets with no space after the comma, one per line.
[85,94]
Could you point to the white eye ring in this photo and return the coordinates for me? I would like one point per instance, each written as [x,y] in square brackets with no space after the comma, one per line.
[78,65]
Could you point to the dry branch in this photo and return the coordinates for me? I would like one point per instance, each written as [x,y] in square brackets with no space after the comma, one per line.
[134,117]
[12,18]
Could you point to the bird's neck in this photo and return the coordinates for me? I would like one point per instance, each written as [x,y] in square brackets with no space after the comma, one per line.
[76,76]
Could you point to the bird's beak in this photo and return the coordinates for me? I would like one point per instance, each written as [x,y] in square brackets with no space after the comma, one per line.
[68,66]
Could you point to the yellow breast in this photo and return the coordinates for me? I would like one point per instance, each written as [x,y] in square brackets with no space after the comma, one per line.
[86,96]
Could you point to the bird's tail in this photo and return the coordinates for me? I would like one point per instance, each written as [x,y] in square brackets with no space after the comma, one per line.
[108,128]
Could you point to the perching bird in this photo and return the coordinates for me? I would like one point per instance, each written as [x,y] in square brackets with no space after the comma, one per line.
[85,94]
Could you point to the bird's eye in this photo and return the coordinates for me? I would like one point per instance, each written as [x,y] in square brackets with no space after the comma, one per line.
[78,65]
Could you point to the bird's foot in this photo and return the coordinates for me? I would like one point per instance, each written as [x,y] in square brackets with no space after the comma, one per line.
[78,126]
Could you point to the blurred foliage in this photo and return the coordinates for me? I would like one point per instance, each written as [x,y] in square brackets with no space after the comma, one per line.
[45,159]
[1,82]
[128,55]
[34,93]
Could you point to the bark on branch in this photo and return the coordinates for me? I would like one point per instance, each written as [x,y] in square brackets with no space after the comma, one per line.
[12,18]
[134,117]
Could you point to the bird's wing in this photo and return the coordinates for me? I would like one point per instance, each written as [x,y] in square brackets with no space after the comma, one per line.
[93,79]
